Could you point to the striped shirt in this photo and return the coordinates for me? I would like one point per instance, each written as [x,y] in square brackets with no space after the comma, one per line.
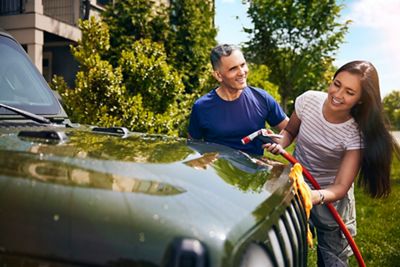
[320,144]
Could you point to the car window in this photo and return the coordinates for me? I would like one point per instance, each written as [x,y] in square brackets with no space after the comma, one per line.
[21,85]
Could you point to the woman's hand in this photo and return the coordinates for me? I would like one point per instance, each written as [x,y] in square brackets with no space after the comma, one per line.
[274,147]
[287,136]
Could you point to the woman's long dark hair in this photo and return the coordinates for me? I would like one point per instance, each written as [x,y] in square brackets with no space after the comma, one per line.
[379,144]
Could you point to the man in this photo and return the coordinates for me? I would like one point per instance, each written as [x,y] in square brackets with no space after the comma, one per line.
[233,110]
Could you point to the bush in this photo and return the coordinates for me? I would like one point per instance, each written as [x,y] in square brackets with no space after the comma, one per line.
[143,93]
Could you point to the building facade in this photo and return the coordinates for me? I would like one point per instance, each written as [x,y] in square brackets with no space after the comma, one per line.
[47,28]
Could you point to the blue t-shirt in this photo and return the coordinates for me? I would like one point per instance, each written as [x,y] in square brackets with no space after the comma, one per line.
[227,122]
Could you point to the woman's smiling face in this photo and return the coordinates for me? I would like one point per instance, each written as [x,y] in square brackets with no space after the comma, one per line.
[344,92]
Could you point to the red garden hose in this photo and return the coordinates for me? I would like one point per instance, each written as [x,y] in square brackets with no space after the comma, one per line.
[333,211]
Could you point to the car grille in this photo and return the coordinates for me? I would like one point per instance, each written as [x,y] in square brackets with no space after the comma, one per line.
[287,238]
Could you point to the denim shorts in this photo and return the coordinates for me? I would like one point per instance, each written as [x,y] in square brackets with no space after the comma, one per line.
[333,248]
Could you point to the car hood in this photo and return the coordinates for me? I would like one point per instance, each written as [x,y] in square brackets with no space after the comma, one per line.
[125,197]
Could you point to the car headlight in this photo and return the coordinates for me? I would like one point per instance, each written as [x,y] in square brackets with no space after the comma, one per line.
[186,252]
[256,256]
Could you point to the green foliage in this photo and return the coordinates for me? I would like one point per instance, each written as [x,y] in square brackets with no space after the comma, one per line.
[259,77]
[132,20]
[190,40]
[185,28]
[158,86]
[88,53]
[147,73]
[157,149]
[243,180]
[97,96]
[391,104]
[154,101]
[296,40]
[59,85]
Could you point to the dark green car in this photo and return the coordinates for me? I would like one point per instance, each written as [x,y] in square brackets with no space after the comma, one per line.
[73,195]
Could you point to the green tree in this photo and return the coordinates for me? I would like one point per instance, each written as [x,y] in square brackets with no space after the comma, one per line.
[147,73]
[98,88]
[259,77]
[127,77]
[296,40]
[133,20]
[391,104]
[191,37]
[185,28]
[101,97]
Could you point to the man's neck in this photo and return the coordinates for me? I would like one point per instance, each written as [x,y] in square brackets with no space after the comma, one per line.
[228,94]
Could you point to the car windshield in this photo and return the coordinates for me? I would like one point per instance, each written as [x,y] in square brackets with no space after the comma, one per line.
[21,85]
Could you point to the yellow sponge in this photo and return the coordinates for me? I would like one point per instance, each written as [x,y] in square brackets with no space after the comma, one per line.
[304,192]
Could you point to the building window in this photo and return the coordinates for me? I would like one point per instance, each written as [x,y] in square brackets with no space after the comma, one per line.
[47,66]
[11,7]
[102,2]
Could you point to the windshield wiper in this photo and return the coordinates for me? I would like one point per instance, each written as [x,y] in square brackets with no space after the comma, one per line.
[27,114]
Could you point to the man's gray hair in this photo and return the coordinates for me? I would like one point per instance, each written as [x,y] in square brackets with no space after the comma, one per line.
[221,50]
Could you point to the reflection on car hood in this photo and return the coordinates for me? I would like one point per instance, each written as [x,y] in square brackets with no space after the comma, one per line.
[125,193]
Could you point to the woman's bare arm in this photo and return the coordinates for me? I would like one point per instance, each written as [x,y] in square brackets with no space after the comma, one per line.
[345,176]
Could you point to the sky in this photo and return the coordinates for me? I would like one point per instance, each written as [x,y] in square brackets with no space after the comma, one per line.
[373,35]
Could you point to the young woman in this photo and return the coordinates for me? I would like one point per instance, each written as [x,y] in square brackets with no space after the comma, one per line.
[341,134]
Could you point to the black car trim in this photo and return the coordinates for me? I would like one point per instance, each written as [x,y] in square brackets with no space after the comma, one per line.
[287,220]
[291,223]
[45,134]
[300,224]
[111,130]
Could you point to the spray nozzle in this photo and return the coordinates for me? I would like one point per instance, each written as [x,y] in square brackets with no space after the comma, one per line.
[261,134]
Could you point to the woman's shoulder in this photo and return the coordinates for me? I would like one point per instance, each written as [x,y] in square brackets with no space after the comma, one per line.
[313,93]
[309,102]
[312,97]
